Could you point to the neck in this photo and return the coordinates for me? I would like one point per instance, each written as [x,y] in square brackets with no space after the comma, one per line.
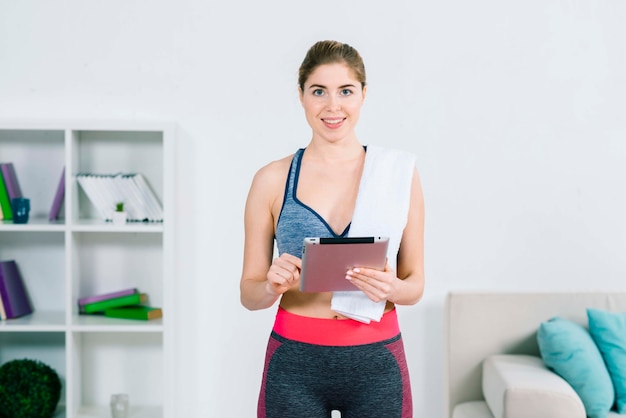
[339,151]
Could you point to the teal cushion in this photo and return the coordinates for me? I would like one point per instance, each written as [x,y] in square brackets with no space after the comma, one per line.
[567,348]
[608,330]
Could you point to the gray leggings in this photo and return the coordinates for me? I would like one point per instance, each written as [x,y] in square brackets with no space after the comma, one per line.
[303,380]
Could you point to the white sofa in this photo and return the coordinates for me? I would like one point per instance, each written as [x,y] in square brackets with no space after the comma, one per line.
[493,365]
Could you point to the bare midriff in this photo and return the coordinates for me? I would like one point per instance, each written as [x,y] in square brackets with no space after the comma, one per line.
[314,305]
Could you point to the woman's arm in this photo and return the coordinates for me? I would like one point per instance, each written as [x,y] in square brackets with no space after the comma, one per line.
[259,244]
[264,280]
[410,287]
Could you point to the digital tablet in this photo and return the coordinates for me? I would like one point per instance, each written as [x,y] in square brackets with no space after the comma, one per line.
[325,261]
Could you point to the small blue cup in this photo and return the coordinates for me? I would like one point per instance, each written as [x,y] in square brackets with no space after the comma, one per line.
[21,209]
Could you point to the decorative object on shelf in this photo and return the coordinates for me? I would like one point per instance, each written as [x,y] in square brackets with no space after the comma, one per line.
[119,216]
[14,299]
[28,389]
[21,209]
[119,405]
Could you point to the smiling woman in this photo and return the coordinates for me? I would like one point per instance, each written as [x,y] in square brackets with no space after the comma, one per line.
[335,187]
[332,99]
[337,105]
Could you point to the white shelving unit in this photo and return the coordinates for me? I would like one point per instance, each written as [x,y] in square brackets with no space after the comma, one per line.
[80,255]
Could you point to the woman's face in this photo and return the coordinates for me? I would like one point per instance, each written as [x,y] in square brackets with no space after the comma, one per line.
[332,100]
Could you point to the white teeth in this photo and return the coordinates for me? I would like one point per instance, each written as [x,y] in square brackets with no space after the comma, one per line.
[333,122]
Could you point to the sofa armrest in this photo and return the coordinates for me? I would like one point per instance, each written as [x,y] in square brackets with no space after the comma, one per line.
[521,386]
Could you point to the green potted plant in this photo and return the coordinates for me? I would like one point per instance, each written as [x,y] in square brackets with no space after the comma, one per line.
[119,216]
[28,389]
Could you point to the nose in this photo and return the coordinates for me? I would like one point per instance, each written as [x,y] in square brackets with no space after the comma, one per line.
[334,103]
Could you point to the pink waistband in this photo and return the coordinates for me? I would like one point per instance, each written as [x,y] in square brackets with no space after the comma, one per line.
[335,332]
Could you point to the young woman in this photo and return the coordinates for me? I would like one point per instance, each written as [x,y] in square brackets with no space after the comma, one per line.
[318,359]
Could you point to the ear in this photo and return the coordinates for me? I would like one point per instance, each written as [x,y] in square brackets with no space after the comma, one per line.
[364,91]
[300,94]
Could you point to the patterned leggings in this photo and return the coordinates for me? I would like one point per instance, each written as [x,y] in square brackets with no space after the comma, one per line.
[305,380]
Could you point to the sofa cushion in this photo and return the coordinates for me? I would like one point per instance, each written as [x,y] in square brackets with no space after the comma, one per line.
[473,409]
[520,386]
[608,330]
[568,349]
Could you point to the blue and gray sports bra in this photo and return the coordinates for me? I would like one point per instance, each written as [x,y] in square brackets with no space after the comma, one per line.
[297,220]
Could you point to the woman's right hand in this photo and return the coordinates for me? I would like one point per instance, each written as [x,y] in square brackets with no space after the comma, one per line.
[284,273]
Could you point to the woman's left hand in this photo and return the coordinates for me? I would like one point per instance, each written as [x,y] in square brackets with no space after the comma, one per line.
[377,285]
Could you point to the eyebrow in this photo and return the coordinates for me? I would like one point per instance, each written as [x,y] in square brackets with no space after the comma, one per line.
[319,86]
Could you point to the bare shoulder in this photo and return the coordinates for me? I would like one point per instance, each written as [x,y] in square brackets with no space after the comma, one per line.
[268,188]
[269,181]
[273,172]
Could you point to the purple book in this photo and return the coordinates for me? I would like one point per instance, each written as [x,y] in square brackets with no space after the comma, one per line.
[13,291]
[105,296]
[58,198]
[10,180]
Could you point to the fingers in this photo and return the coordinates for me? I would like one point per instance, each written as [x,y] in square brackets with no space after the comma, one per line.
[284,272]
[288,266]
[376,284]
[292,259]
[363,277]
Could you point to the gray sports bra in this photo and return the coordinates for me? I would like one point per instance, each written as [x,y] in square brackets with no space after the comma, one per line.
[297,220]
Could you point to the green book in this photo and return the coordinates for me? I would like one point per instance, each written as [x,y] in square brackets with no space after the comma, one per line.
[134,312]
[5,202]
[101,306]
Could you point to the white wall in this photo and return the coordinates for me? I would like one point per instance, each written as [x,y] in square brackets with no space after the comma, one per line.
[515,109]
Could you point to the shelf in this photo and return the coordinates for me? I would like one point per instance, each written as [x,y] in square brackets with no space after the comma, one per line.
[34,224]
[45,321]
[92,225]
[81,254]
[105,412]
[96,323]
[86,225]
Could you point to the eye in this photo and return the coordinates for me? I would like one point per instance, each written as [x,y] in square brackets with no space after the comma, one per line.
[346,92]
[318,92]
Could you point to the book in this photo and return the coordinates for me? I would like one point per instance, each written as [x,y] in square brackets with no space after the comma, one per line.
[87,183]
[10,180]
[57,203]
[134,312]
[106,296]
[105,190]
[3,314]
[101,306]
[5,202]
[149,198]
[13,291]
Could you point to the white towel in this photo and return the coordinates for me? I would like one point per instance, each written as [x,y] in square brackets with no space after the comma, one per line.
[382,207]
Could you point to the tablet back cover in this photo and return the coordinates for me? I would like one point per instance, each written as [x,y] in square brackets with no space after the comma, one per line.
[325,261]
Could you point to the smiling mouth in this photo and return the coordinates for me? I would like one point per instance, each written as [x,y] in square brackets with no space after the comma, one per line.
[333,121]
